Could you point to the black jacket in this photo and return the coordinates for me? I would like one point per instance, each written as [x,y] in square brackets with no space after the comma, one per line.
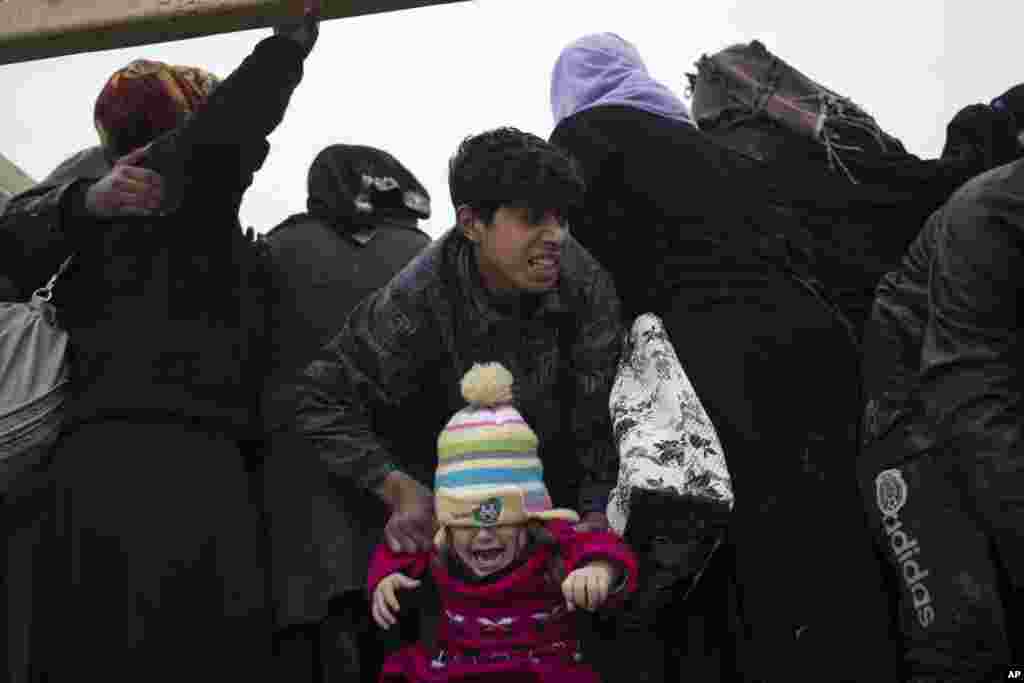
[944,361]
[329,259]
[682,224]
[851,233]
[662,202]
[671,190]
[324,263]
[167,314]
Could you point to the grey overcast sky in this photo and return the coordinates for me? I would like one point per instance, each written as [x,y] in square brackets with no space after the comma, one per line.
[416,82]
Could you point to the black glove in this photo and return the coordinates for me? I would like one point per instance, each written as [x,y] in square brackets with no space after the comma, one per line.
[304,31]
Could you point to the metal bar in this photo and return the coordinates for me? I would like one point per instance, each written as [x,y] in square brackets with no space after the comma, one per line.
[37,29]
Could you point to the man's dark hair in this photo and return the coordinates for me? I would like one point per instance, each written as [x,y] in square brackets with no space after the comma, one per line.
[507,167]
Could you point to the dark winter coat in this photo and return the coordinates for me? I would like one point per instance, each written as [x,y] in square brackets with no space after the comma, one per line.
[29,501]
[677,220]
[950,321]
[167,314]
[325,262]
[89,163]
[332,257]
[944,378]
[839,236]
[381,391]
[661,198]
[850,234]
[153,543]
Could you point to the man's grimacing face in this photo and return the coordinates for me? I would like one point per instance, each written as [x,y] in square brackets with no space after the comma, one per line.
[515,253]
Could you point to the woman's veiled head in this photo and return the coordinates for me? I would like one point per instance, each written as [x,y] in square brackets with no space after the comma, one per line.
[604,69]
[146,99]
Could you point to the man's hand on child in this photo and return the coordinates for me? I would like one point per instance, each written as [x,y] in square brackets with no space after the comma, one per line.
[588,586]
[385,598]
[411,525]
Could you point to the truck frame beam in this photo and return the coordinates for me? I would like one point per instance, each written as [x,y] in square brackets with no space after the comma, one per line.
[36,29]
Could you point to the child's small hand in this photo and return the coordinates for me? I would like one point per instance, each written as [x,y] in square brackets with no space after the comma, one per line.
[588,586]
[385,600]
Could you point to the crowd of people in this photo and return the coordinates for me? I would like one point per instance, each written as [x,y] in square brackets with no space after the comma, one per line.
[271,440]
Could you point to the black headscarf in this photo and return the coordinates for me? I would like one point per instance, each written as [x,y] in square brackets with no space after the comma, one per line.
[354,187]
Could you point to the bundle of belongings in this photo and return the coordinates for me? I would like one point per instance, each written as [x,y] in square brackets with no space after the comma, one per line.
[674,493]
[851,198]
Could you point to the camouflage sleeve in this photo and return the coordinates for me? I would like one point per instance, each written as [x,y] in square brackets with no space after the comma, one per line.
[595,359]
[374,361]
[970,373]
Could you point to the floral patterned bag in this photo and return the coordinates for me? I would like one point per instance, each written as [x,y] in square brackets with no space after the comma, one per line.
[674,493]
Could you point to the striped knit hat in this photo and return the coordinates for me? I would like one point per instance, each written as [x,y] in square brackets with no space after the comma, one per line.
[488,471]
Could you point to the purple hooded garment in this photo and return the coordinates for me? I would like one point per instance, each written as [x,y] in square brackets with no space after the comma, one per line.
[603,69]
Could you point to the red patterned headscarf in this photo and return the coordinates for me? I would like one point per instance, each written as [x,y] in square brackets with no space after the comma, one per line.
[146,99]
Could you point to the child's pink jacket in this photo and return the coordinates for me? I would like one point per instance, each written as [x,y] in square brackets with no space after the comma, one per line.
[515,629]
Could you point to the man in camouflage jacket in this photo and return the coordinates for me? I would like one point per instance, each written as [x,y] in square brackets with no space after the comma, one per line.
[507,284]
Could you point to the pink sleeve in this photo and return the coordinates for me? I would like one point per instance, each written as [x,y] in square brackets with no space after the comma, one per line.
[384,562]
[579,548]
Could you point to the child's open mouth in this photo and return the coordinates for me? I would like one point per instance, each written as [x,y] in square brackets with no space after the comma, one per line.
[488,556]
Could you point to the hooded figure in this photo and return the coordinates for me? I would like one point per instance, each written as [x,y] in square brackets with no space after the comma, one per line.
[603,70]
[683,225]
[360,229]
[649,172]
[355,188]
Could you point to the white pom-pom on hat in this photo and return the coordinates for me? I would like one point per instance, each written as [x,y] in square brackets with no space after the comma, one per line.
[487,384]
